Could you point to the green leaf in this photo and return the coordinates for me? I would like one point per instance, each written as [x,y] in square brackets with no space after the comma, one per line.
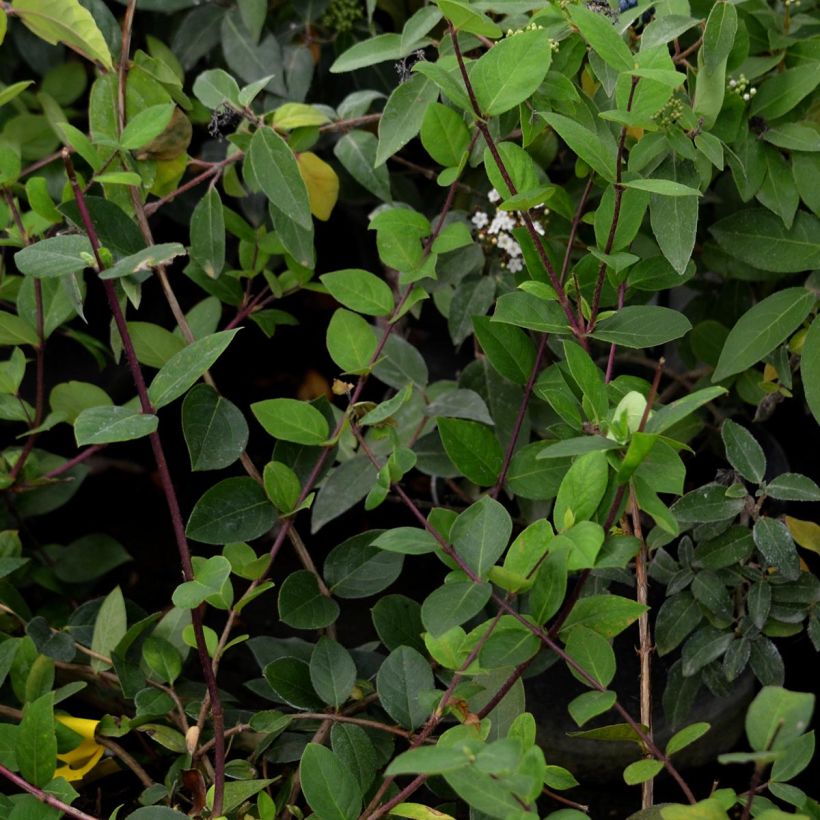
[758,237]
[581,490]
[793,487]
[282,486]
[351,341]
[526,310]
[180,372]
[36,746]
[686,737]
[110,626]
[357,153]
[292,420]
[302,605]
[407,540]
[593,653]
[348,483]
[332,672]
[369,52]
[719,35]
[397,621]
[743,451]
[215,87]
[481,533]
[214,428]
[776,717]
[357,569]
[665,417]
[208,234]
[678,616]
[58,256]
[761,329]
[401,679]
[251,60]
[357,752]
[511,71]
[707,504]
[153,344]
[465,17]
[473,448]
[146,126]
[15,89]
[162,658]
[329,788]
[237,793]
[289,678]
[640,326]
[782,91]
[810,368]
[591,704]
[674,219]
[608,615]
[210,577]
[360,290]
[453,604]
[775,543]
[403,115]
[584,142]
[105,425]
[270,164]
[444,135]
[663,187]
[510,351]
[236,509]
[705,646]
[598,31]
[642,770]
[67,22]
[428,760]
[143,260]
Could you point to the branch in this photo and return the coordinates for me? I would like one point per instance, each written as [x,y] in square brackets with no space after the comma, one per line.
[526,216]
[616,213]
[519,419]
[44,797]
[167,486]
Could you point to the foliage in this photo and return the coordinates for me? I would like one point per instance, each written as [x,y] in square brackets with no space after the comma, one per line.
[579,194]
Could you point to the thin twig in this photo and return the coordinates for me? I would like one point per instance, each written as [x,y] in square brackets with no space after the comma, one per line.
[616,212]
[519,419]
[167,486]
[127,759]
[525,215]
[44,797]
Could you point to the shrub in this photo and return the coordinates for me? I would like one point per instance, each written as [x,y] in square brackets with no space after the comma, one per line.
[601,227]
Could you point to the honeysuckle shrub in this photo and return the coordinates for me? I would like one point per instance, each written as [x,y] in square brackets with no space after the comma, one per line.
[607,218]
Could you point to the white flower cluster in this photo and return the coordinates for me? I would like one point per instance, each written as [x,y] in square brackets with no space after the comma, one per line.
[742,88]
[496,232]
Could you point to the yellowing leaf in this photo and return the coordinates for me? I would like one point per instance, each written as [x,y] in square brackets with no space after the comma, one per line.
[418,811]
[321,182]
[67,22]
[805,533]
[297,115]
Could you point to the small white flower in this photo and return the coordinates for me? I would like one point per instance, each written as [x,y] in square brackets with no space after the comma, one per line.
[732,83]
[501,222]
[480,219]
[747,97]
[753,91]
[515,264]
[493,195]
[539,228]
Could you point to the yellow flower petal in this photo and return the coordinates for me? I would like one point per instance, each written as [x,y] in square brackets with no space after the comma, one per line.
[82,726]
[78,772]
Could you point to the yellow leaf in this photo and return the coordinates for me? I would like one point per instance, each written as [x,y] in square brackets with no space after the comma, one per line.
[322,184]
[635,132]
[297,115]
[169,173]
[805,533]
[67,22]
